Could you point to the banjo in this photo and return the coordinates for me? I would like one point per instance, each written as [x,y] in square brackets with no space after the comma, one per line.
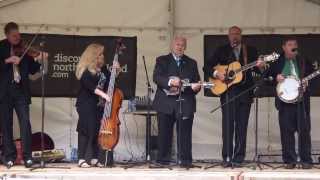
[290,90]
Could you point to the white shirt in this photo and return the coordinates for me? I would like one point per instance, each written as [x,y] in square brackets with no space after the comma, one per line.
[176,58]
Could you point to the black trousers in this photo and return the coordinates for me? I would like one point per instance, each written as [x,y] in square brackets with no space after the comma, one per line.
[184,138]
[88,147]
[15,100]
[295,118]
[235,118]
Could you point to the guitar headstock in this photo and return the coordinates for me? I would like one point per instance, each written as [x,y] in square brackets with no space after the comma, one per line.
[271,57]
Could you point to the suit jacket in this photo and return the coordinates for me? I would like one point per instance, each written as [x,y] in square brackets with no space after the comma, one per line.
[224,55]
[165,67]
[27,66]
[305,68]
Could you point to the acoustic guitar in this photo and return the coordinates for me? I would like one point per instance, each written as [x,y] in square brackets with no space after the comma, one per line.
[233,72]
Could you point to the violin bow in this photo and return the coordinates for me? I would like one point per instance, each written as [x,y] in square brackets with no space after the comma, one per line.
[31,42]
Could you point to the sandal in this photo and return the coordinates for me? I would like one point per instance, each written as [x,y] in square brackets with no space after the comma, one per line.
[96,163]
[100,165]
[83,164]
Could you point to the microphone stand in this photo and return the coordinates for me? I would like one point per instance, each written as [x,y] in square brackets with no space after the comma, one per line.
[179,122]
[148,127]
[42,164]
[148,119]
[301,114]
[228,158]
[256,159]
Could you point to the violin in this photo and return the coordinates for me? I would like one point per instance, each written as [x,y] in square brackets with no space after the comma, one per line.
[22,49]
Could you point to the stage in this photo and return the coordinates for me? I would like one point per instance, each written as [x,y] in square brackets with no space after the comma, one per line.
[141,173]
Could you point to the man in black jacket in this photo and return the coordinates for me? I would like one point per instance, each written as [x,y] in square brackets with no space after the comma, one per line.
[181,67]
[293,117]
[235,114]
[15,94]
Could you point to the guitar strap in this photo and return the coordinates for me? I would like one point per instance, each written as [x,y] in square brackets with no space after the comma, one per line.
[245,60]
[302,65]
[245,54]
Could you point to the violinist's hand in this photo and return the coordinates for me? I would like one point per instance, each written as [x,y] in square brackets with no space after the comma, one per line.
[42,56]
[13,60]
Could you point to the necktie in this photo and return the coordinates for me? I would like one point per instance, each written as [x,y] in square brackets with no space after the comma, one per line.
[178,62]
[293,69]
[15,70]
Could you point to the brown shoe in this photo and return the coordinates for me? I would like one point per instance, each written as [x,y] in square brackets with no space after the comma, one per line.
[290,166]
[306,166]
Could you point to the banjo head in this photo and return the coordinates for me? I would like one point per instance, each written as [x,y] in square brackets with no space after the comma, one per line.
[288,90]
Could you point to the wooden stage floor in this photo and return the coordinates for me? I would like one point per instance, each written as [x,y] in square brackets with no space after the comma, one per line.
[143,172]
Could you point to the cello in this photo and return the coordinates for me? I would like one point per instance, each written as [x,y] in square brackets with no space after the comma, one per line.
[109,131]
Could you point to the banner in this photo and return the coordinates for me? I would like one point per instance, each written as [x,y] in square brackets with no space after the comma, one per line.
[64,54]
[266,44]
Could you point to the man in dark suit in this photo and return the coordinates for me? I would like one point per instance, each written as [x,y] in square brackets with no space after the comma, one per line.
[235,114]
[293,117]
[15,94]
[167,106]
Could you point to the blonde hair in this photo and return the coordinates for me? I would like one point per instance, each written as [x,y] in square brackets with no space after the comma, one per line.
[89,59]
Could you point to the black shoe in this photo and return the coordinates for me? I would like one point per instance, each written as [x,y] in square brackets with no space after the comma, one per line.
[9,164]
[226,164]
[306,166]
[163,163]
[236,164]
[186,165]
[290,166]
[28,163]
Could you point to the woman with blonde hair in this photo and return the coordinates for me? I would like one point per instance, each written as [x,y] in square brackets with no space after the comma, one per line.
[94,78]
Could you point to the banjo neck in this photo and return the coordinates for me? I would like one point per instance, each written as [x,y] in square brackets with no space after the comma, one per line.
[311,76]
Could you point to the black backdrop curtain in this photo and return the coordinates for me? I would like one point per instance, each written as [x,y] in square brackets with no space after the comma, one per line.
[64,54]
[266,44]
